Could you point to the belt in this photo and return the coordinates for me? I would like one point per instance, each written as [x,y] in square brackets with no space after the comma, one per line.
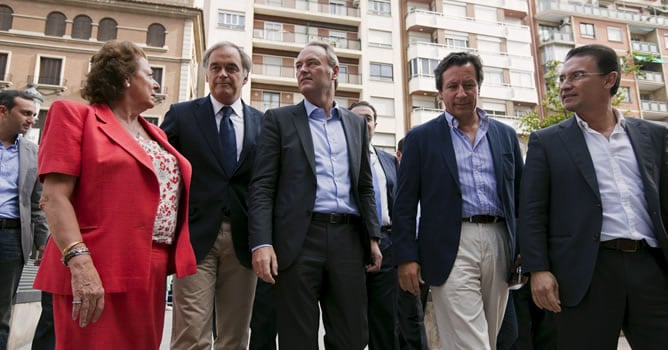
[483,219]
[10,223]
[624,245]
[334,218]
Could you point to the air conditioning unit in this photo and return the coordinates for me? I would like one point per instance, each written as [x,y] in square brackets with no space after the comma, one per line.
[565,21]
[356,4]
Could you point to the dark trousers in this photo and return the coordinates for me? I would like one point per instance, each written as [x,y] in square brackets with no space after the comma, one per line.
[45,337]
[263,322]
[382,287]
[410,324]
[537,329]
[330,271]
[508,333]
[11,267]
[628,291]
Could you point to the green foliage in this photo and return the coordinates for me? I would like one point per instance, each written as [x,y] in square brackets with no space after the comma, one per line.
[554,111]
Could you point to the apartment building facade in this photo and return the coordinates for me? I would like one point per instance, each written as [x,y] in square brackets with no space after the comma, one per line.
[636,29]
[48,44]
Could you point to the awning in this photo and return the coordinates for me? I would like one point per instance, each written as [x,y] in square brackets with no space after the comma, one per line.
[646,58]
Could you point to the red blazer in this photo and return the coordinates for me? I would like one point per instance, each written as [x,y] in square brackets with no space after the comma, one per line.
[115,199]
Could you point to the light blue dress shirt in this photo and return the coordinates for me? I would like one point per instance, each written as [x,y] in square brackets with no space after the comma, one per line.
[475,165]
[331,162]
[9,180]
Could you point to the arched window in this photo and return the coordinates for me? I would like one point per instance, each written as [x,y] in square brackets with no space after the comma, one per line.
[106,30]
[5,17]
[55,24]
[81,27]
[156,35]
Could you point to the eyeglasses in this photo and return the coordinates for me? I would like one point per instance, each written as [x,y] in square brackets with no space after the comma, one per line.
[576,76]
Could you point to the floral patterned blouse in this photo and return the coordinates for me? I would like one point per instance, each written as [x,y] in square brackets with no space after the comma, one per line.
[169,175]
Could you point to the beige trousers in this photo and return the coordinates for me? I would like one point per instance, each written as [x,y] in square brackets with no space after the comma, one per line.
[220,280]
[469,306]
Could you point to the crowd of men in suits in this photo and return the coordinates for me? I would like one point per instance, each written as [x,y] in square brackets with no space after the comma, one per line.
[294,212]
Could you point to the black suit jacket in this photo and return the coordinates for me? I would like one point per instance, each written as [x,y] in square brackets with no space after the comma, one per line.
[561,209]
[191,129]
[283,188]
[428,175]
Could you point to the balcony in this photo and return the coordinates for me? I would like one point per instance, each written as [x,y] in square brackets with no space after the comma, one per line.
[286,76]
[49,85]
[513,5]
[295,41]
[418,49]
[654,110]
[421,19]
[650,81]
[555,10]
[645,47]
[5,81]
[421,115]
[310,11]
[557,37]
[423,84]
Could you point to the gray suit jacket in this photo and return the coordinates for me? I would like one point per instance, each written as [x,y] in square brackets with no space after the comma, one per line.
[33,222]
[283,187]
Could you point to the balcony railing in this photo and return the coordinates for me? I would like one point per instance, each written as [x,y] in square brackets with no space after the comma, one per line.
[589,10]
[311,6]
[650,76]
[654,106]
[275,70]
[556,36]
[305,38]
[644,46]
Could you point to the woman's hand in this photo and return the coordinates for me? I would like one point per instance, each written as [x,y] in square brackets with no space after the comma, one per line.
[87,290]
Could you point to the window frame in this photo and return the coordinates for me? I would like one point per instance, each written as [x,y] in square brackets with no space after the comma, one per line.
[238,24]
[86,27]
[5,76]
[55,26]
[38,69]
[380,8]
[381,68]
[154,35]
[584,30]
[9,16]
[100,32]
[619,31]
[162,69]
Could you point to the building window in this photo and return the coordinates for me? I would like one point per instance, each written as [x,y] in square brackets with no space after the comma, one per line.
[457,42]
[521,79]
[107,29]
[55,24]
[273,31]
[454,10]
[380,38]
[380,8]
[624,94]
[6,17]
[157,76]
[81,27]
[271,100]
[422,67]
[493,76]
[381,71]
[384,106]
[338,39]
[337,7]
[587,30]
[50,70]
[4,57]
[614,34]
[231,20]
[156,35]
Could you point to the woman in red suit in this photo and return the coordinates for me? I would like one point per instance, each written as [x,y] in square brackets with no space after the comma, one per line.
[115,197]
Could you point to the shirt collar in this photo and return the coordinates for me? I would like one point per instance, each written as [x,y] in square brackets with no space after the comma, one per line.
[454,123]
[237,106]
[621,121]
[310,107]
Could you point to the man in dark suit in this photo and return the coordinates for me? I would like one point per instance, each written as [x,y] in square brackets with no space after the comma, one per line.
[312,213]
[463,168]
[382,285]
[22,222]
[593,213]
[217,134]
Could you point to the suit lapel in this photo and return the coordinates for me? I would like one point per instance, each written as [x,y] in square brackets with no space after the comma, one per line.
[642,146]
[354,144]
[446,146]
[205,119]
[300,120]
[24,160]
[575,145]
[110,126]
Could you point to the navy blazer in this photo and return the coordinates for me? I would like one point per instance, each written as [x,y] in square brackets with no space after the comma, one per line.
[283,188]
[191,129]
[561,208]
[428,175]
